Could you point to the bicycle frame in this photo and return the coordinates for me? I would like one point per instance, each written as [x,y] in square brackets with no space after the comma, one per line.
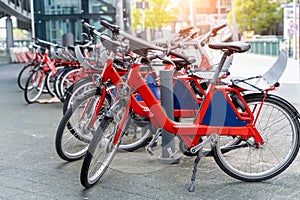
[190,133]
[139,107]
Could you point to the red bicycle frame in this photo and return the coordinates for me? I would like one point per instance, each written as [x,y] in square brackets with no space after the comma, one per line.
[190,132]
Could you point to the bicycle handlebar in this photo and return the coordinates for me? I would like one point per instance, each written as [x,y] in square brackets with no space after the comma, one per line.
[142,43]
[216,29]
[46,43]
[113,28]
[185,31]
[211,33]
[88,26]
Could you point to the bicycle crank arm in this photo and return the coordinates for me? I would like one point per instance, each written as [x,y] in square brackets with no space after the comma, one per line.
[195,149]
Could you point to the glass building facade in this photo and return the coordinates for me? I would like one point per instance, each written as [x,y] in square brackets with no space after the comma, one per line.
[54,18]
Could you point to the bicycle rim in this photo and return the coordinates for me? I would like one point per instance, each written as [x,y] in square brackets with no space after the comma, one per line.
[67,80]
[24,75]
[76,90]
[135,137]
[75,132]
[34,86]
[50,83]
[100,153]
[280,130]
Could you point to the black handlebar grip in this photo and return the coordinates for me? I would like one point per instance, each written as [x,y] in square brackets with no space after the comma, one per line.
[216,29]
[86,25]
[185,31]
[105,24]
[114,28]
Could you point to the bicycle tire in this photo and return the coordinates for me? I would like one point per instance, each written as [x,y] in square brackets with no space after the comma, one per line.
[34,86]
[50,81]
[65,82]
[24,75]
[100,153]
[76,89]
[72,128]
[57,80]
[73,135]
[263,164]
[136,137]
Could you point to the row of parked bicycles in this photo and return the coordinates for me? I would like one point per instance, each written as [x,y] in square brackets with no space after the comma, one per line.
[111,95]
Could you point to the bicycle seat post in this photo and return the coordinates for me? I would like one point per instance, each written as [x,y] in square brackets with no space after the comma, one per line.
[220,66]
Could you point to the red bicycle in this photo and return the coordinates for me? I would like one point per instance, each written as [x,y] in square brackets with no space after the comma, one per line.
[267,126]
[79,122]
[27,69]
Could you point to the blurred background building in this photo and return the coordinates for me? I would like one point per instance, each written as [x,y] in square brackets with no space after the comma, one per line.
[52,19]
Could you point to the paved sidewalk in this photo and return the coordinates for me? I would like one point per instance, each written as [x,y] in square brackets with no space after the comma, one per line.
[30,168]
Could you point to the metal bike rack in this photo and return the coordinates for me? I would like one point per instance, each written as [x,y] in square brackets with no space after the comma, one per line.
[168,139]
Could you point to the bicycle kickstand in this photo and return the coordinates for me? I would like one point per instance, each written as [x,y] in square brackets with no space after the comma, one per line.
[196,162]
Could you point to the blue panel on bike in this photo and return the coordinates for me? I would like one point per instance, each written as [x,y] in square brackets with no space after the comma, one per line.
[183,99]
[153,85]
[220,113]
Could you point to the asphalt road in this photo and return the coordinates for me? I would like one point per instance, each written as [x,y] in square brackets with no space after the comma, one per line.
[30,168]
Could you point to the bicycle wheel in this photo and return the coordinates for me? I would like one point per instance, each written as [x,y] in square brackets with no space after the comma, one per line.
[50,81]
[34,86]
[105,142]
[136,136]
[74,133]
[67,80]
[100,153]
[279,126]
[57,80]
[76,89]
[24,75]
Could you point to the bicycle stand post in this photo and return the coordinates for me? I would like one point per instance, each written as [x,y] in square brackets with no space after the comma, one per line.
[168,139]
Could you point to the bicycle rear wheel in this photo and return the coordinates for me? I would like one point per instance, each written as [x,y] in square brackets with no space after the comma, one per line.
[34,86]
[279,126]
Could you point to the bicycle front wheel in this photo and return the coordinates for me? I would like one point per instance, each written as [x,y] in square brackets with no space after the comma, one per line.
[100,153]
[24,75]
[74,91]
[278,124]
[34,86]
[76,129]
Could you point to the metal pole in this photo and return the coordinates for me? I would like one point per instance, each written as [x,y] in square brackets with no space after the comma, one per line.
[143,16]
[119,14]
[191,12]
[295,32]
[168,139]
[234,36]
[32,19]
[9,33]
[219,10]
